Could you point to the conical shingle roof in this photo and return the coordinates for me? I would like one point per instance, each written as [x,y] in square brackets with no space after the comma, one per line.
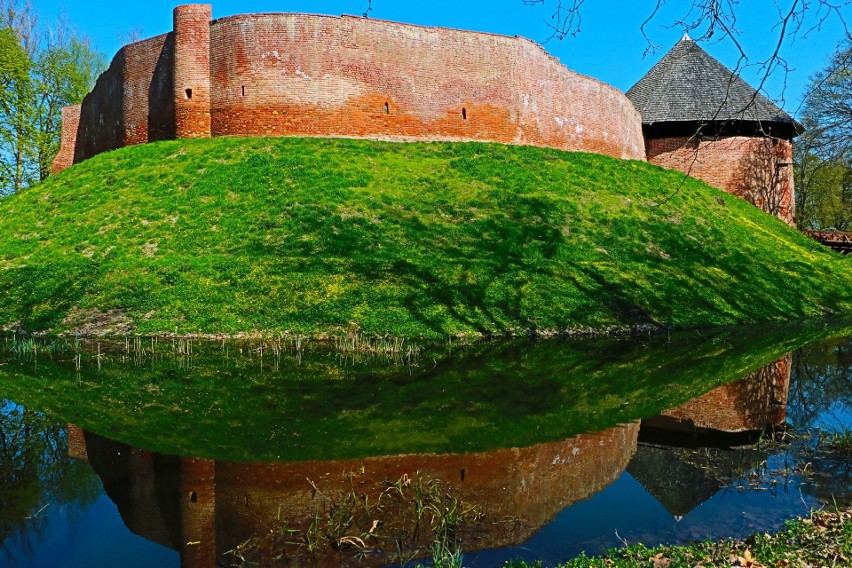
[689,86]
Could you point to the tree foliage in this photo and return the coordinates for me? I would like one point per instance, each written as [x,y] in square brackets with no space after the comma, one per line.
[823,154]
[42,69]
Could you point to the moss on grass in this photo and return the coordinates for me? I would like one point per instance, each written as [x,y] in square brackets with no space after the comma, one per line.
[312,236]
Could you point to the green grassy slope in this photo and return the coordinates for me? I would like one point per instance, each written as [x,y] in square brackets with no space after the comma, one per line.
[310,236]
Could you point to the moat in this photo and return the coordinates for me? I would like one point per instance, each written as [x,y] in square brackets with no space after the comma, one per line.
[162,452]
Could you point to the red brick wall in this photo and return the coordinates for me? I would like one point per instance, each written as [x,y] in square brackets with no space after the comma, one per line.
[101,126]
[132,103]
[192,70]
[297,74]
[148,92]
[743,166]
[70,123]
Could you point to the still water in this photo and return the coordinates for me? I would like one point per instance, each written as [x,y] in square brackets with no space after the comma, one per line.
[149,452]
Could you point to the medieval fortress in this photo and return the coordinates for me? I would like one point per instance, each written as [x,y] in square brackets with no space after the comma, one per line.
[310,75]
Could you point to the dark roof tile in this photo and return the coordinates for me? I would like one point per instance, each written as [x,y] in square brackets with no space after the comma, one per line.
[689,85]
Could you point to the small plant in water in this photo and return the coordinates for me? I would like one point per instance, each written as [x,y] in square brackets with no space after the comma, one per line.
[412,517]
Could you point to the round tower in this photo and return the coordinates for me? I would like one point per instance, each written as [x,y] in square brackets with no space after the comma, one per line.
[192,70]
[699,117]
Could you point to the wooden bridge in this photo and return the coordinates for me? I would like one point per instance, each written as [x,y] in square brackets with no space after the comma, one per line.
[837,240]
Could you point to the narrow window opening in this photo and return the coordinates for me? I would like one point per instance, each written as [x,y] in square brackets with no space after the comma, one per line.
[243,90]
[462,474]
[387,108]
[193,497]
[464,114]
[189,93]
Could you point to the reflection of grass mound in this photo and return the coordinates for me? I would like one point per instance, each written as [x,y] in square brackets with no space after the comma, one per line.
[309,236]
[224,401]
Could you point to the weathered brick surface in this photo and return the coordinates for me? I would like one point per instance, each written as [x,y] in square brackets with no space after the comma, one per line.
[755,169]
[132,103]
[101,126]
[192,70]
[306,75]
[297,74]
[70,124]
[148,91]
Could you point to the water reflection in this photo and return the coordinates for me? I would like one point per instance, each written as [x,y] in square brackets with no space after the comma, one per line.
[726,422]
[204,508]
[37,481]
[821,398]
[228,402]
[664,475]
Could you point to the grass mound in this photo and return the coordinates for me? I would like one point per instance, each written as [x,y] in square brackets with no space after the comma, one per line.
[311,236]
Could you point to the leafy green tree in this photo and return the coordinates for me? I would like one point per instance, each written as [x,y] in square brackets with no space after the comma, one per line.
[15,110]
[823,154]
[42,69]
[62,75]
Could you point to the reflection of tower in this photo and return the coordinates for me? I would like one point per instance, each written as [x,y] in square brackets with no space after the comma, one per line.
[755,402]
[76,442]
[733,415]
[204,508]
[198,513]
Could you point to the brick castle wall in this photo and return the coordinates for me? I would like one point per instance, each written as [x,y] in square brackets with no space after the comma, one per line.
[309,75]
[297,74]
[305,75]
[101,121]
[132,103]
[750,168]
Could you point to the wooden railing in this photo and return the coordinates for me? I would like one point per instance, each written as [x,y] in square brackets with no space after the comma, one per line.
[837,240]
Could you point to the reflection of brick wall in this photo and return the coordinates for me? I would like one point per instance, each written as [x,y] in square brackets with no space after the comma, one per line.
[198,513]
[529,484]
[746,167]
[76,442]
[297,74]
[755,402]
[222,504]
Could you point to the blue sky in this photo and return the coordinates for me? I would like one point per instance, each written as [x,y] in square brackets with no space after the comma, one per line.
[610,45]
